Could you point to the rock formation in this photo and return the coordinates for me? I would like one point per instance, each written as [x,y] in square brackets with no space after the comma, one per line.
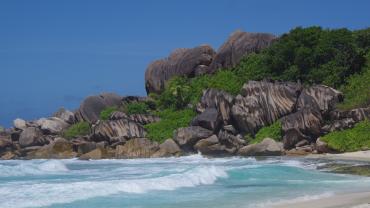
[238,46]
[182,62]
[91,107]
[262,103]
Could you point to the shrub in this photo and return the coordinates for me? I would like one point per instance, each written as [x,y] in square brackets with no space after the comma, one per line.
[137,108]
[354,139]
[312,55]
[77,129]
[273,131]
[170,121]
[107,112]
[357,90]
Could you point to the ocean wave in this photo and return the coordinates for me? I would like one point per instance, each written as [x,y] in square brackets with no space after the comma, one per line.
[35,167]
[45,194]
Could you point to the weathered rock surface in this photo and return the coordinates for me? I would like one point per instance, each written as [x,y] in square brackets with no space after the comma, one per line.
[85,147]
[304,124]
[52,125]
[60,148]
[144,118]
[210,146]
[5,141]
[321,146]
[268,147]
[97,154]
[338,125]
[358,114]
[168,148]
[321,96]
[31,136]
[187,137]
[110,130]
[261,103]
[138,118]
[182,62]
[19,124]
[218,99]
[209,119]
[137,148]
[231,142]
[66,115]
[91,107]
[239,45]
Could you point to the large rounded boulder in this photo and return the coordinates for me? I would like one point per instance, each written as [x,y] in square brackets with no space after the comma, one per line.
[182,62]
[239,45]
[91,107]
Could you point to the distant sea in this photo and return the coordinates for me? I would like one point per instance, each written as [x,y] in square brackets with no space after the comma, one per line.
[185,182]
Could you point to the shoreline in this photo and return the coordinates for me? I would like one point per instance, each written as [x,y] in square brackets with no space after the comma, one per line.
[342,200]
[359,156]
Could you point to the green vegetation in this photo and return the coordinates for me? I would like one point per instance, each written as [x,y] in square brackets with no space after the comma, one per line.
[354,139]
[77,129]
[137,108]
[181,91]
[273,131]
[357,89]
[170,121]
[107,112]
[311,55]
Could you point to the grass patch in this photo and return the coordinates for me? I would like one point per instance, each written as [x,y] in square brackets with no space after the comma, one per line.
[273,131]
[137,108]
[107,112]
[77,129]
[350,140]
[170,121]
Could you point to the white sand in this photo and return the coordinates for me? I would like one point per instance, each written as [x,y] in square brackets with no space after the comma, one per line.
[363,156]
[351,200]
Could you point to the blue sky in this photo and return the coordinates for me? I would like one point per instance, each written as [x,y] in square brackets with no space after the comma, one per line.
[55,53]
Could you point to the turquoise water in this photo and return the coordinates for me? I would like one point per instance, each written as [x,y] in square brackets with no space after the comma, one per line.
[192,181]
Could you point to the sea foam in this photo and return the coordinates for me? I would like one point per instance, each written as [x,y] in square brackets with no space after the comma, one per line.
[44,194]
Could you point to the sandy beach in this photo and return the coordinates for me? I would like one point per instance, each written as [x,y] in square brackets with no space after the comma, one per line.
[351,200]
[363,156]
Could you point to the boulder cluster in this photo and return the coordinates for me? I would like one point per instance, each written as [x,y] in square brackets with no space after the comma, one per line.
[204,59]
[222,123]
[305,113]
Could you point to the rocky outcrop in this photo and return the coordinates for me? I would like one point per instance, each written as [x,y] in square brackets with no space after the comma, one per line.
[97,154]
[304,124]
[321,146]
[142,119]
[210,146]
[52,125]
[66,115]
[338,125]
[239,45]
[261,103]
[19,124]
[31,136]
[187,137]
[182,62]
[91,107]
[218,99]
[116,129]
[319,96]
[268,147]
[168,148]
[230,141]
[137,148]
[357,114]
[209,119]
[60,148]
